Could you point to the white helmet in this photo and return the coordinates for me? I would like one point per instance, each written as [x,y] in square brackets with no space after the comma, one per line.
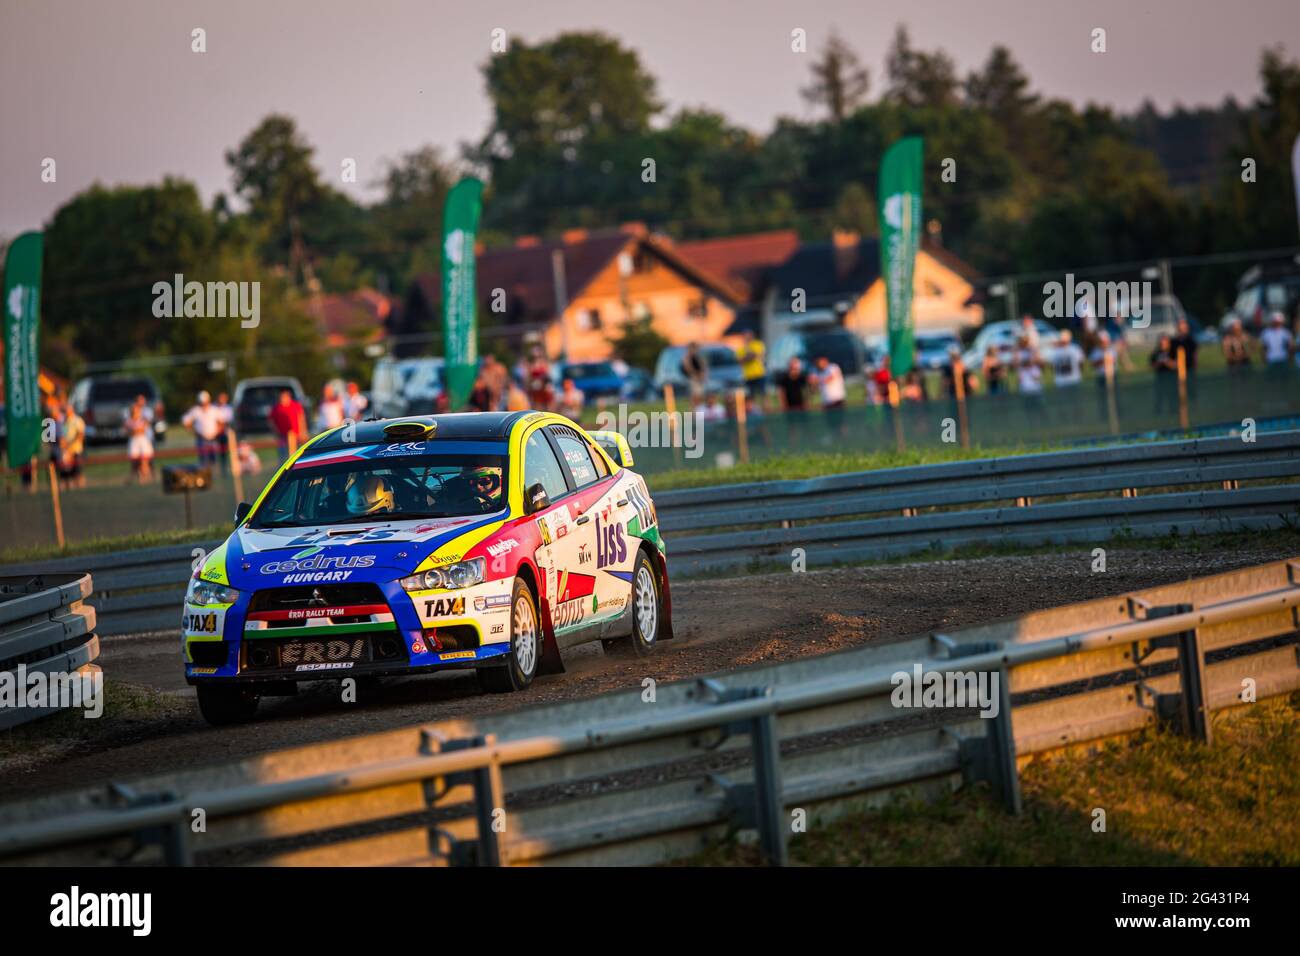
[369,496]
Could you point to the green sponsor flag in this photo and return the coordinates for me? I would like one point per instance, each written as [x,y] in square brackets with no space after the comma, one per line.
[900,232]
[22,307]
[459,301]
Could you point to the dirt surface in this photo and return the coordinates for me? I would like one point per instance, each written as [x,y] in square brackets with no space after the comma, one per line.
[721,624]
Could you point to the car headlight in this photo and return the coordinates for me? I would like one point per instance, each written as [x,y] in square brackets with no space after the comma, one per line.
[206,592]
[462,574]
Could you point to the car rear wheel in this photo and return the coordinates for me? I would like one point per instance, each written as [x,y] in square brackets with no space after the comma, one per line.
[221,706]
[525,646]
[647,612]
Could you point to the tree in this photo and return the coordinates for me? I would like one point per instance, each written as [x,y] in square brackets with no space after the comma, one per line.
[917,78]
[273,173]
[1000,88]
[637,343]
[410,214]
[840,82]
[855,210]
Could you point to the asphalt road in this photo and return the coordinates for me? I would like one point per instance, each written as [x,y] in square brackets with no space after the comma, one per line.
[721,624]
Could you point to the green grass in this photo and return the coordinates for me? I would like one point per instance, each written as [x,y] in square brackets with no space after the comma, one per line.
[815,464]
[147,539]
[125,706]
[1168,801]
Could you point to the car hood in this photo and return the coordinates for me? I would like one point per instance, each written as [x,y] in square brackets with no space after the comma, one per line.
[382,550]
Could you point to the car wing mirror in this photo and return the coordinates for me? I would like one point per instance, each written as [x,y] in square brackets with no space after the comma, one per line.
[241,511]
[538,499]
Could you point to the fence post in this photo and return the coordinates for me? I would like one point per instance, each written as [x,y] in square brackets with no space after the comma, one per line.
[57,505]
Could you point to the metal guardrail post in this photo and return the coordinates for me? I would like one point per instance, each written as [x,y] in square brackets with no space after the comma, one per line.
[488,799]
[172,838]
[757,805]
[991,757]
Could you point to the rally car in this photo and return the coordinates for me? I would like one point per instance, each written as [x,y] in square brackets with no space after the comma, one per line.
[490,541]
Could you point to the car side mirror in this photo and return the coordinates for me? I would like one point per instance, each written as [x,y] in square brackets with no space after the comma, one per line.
[538,499]
[241,511]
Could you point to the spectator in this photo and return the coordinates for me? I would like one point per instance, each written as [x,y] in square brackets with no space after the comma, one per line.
[227,415]
[205,421]
[948,373]
[1102,357]
[695,367]
[537,380]
[1185,342]
[1235,353]
[249,463]
[72,442]
[355,403]
[571,400]
[1029,376]
[1067,361]
[516,397]
[712,409]
[289,422]
[880,380]
[752,357]
[495,377]
[913,389]
[1029,331]
[480,396]
[1164,363]
[1277,343]
[994,372]
[829,380]
[139,440]
[793,385]
[330,413]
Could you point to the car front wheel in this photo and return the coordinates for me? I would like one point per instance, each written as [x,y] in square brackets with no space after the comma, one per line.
[525,646]
[222,706]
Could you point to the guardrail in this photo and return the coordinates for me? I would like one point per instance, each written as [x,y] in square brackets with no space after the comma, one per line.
[44,628]
[899,511]
[877,514]
[651,774]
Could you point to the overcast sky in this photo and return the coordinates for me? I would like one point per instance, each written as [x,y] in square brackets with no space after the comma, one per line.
[111,90]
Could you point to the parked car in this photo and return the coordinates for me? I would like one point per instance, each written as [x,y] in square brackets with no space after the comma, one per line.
[932,349]
[255,397]
[103,403]
[409,386]
[594,379]
[810,342]
[638,385]
[1004,336]
[1263,290]
[724,369]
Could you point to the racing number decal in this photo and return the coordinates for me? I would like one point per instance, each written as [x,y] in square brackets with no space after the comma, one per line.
[639,499]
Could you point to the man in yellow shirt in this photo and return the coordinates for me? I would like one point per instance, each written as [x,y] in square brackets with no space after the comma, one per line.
[752,358]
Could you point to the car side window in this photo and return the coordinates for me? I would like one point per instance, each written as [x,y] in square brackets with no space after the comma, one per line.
[577,456]
[541,465]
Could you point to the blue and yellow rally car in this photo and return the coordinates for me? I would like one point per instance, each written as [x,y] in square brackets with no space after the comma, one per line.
[490,541]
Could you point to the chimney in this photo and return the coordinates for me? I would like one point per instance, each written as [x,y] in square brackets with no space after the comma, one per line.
[844,243]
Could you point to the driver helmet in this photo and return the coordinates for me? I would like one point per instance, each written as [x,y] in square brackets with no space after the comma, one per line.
[484,481]
[370,495]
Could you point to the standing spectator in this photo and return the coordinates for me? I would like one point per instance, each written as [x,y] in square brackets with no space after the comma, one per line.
[354,403]
[793,385]
[752,356]
[495,377]
[1185,342]
[880,380]
[516,397]
[1103,353]
[1029,377]
[994,372]
[1029,331]
[204,420]
[913,389]
[1164,363]
[830,383]
[1235,352]
[330,413]
[1067,362]
[72,442]
[696,369]
[537,380]
[139,441]
[480,396]
[289,422]
[226,413]
[571,400]
[1278,344]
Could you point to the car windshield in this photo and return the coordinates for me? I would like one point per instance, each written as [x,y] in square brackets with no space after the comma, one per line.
[263,394]
[121,390]
[935,343]
[839,348]
[718,356]
[390,486]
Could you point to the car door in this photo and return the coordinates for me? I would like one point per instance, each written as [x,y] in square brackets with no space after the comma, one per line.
[567,596]
[606,552]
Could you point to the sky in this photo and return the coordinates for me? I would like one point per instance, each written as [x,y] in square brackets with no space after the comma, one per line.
[111,90]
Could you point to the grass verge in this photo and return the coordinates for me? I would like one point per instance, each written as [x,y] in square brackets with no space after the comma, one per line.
[1167,801]
[144,539]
